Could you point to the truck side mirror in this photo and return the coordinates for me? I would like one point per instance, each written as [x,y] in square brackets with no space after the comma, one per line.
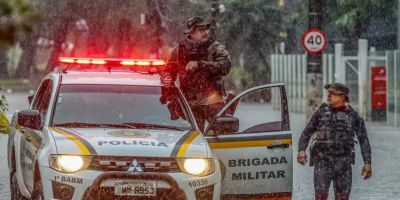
[30,119]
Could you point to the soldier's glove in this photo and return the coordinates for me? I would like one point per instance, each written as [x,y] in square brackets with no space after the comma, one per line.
[166,80]
[366,171]
[302,157]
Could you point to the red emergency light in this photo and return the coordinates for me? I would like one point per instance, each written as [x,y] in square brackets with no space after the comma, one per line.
[112,61]
[149,65]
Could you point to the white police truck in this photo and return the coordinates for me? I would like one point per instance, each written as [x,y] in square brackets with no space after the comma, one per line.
[108,129]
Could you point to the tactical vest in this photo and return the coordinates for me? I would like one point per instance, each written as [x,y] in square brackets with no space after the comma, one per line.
[335,134]
[196,84]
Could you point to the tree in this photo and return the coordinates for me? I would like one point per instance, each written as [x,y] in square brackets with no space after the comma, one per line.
[250,29]
[52,21]
[106,21]
[16,18]
[371,19]
[345,21]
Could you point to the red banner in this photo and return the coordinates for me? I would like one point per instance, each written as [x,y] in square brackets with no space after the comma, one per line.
[378,87]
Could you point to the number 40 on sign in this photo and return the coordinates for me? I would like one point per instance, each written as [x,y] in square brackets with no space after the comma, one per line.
[314,41]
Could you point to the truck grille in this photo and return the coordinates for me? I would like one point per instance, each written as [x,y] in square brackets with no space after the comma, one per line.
[134,164]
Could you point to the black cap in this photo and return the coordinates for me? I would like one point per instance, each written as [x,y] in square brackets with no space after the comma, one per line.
[192,22]
[338,88]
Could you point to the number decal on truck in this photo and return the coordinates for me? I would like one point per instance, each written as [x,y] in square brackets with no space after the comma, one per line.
[198,183]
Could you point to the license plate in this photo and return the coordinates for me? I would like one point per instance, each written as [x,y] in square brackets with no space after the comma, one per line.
[136,188]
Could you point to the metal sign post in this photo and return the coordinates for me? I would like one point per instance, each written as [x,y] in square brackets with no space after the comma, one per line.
[314,41]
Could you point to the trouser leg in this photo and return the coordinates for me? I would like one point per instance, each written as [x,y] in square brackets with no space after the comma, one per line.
[205,113]
[322,180]
[342,181]
[212,111]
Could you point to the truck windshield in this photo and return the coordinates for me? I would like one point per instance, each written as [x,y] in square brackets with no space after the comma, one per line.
[120,106]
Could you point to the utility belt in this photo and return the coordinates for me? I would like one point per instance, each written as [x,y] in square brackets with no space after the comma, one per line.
[322,150]
[196,92]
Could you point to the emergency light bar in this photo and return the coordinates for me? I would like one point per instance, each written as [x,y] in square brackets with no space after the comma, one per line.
[111,61]
[111,64]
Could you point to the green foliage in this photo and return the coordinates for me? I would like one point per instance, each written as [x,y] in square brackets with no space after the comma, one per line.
[237,79]
[353,15]
[16,17]
[3,103]
[255,24]
[240,78]
[250,28]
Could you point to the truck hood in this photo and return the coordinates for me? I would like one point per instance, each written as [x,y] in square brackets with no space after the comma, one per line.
[130,142]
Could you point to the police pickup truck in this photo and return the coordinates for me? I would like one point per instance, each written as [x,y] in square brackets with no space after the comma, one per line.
[107,129]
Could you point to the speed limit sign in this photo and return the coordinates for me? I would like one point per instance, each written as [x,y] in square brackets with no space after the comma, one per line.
[314,41]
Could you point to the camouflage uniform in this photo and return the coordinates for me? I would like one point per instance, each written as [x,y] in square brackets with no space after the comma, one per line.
[332,148]
[202,87]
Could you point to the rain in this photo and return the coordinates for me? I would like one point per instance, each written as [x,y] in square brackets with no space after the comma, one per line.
[270,66]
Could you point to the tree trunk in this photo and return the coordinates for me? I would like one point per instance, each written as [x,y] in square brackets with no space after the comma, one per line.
[28,44]
[3,64]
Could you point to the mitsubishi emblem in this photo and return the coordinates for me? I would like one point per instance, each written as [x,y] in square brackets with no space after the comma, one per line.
[135,167]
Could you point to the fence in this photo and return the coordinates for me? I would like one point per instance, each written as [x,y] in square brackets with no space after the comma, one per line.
[353,69]
[393,86]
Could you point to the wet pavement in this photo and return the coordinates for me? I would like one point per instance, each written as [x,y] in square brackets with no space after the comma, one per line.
[383,185]
[16,101]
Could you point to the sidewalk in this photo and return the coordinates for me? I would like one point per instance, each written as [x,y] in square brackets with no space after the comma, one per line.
[18,85]
[385,178]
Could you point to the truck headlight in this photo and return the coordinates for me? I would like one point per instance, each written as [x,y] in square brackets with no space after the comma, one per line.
[196,166]
[69,163]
